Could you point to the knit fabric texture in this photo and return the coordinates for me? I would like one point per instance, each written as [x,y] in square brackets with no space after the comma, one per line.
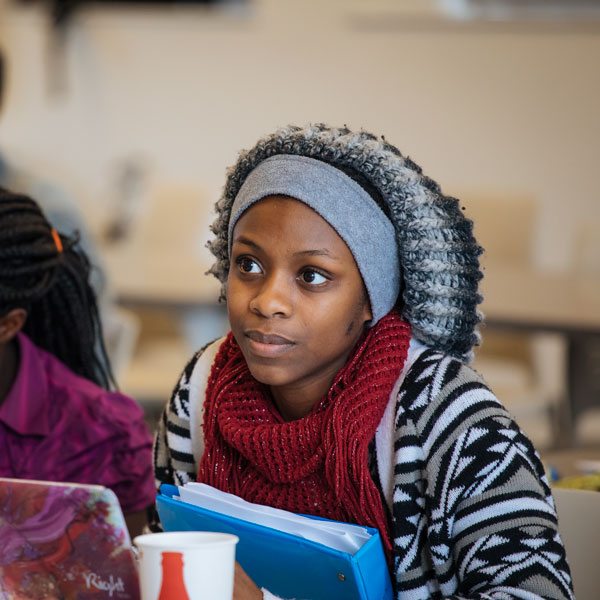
[438,253]
[338,199]
[316,465]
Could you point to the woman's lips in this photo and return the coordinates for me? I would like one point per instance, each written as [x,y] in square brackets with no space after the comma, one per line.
[267,345]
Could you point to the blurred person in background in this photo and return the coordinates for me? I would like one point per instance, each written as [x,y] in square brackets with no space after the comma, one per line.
[58,419]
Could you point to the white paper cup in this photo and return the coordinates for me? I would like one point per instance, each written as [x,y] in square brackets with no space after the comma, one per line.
[195,565]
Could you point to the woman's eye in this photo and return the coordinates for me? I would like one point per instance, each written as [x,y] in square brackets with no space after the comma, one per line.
[312,277]
[247,265]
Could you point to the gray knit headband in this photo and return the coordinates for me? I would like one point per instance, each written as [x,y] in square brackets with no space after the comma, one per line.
[345,205]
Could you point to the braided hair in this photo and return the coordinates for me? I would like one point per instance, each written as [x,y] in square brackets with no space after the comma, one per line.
[47,274]
[439,255]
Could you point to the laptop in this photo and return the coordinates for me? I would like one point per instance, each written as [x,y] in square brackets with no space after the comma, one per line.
[64,541]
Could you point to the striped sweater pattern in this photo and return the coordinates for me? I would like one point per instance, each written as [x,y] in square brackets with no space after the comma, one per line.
[471,510]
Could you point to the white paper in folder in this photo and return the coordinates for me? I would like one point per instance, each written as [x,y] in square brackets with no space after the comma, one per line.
[341,536]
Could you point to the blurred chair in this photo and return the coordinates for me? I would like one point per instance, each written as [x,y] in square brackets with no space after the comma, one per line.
[526,371]
[579,527]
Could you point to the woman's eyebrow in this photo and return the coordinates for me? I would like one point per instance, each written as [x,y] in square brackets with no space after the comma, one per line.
[316,252]
[247,242]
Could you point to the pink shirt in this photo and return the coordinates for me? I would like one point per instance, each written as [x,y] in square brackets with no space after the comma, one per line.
[57,426]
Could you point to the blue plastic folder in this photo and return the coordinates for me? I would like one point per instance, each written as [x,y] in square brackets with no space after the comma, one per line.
[287,565]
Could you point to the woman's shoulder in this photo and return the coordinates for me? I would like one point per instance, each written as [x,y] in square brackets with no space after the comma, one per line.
[74,397]
[431,367]
[179,442]
[437,399]
[83,417]
[443,388]
[191,384]
[444,406]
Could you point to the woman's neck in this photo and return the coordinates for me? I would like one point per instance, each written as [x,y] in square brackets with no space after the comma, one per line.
[296,401]
[9,366]
[292,406]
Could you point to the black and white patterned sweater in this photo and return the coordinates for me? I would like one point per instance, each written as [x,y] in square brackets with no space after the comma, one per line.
[471,510]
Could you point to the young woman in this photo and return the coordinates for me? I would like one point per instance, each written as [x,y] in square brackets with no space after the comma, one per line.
[58,419]
[342,389]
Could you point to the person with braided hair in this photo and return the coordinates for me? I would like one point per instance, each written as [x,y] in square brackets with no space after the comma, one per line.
[343,388]
[59,421]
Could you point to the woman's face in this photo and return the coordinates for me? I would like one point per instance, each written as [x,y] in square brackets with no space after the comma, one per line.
[296,300]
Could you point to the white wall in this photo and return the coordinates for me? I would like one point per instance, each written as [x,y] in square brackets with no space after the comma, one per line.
[505,109]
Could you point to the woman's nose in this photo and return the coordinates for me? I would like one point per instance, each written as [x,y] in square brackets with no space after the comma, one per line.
[273,298]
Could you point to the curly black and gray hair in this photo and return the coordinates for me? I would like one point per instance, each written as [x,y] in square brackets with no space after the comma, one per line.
[438,252]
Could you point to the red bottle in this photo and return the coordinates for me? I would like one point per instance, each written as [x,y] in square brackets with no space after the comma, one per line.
[173,586]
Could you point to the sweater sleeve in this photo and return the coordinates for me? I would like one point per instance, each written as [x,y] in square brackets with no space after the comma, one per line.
[173,457]
[473,515]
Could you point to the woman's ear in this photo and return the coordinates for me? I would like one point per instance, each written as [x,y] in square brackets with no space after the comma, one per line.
[11,323]
[367,314]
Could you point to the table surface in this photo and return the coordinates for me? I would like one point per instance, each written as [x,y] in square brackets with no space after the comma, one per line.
[160,279]
[521,296]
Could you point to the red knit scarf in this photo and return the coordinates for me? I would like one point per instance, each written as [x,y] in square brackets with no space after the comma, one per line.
[316,465]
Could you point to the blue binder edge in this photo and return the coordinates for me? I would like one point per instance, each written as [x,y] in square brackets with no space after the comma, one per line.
[285,564]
